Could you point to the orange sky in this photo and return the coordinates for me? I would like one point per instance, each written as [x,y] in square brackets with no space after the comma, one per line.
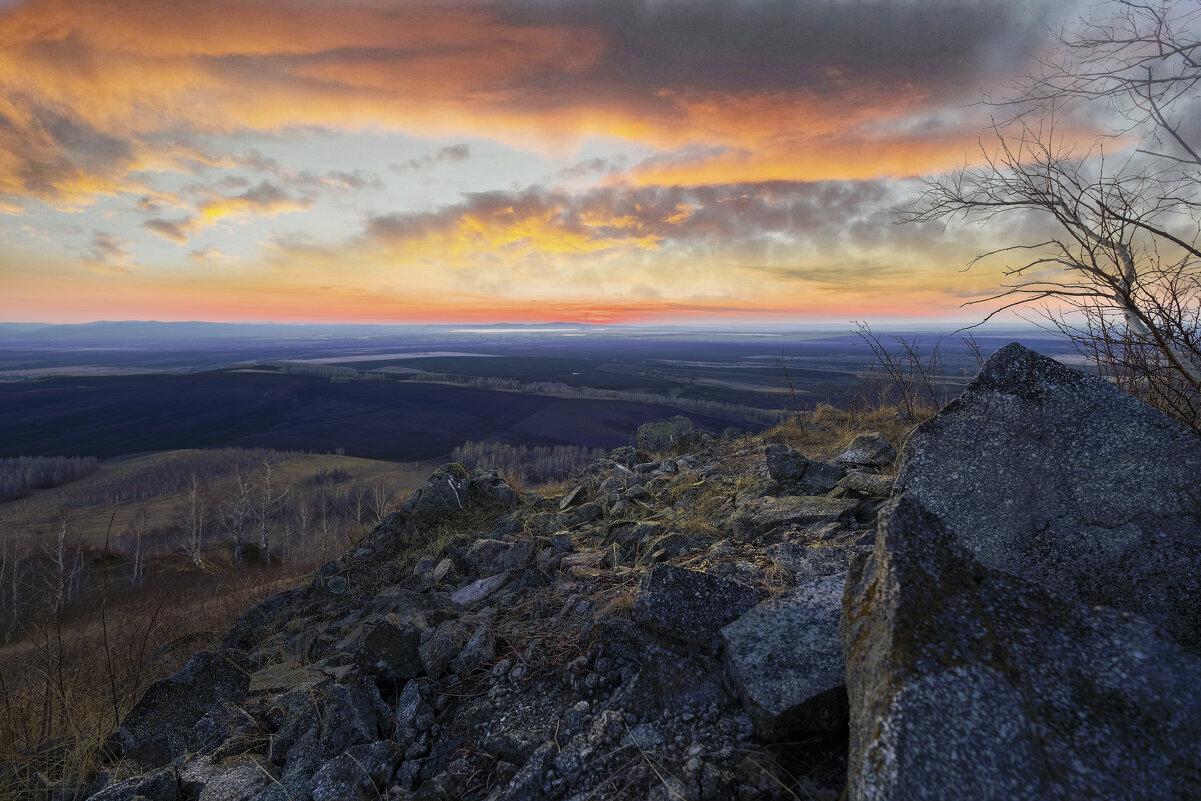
[418,161]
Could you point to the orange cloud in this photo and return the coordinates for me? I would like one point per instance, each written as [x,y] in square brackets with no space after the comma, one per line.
[121,71]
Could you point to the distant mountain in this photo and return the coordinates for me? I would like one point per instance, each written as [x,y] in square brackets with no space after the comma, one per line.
[151,329]
[19,329]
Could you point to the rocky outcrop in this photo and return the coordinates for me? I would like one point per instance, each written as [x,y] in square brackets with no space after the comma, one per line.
[705,624]
[1059,477]
[539,652]
[967,682]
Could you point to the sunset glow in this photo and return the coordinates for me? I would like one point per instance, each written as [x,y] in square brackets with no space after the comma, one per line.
[402,161]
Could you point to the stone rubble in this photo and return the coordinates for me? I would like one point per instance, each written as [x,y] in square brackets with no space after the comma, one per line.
[701,619]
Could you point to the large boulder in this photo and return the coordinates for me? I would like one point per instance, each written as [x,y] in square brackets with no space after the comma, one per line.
[968,682]
[158,727]
[786,661]
[452,488]
[1050,474]
[689,605]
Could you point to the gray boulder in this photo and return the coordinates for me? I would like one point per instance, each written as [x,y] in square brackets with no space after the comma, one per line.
[1050,474]
[447,491]
[870,449]
[320,722]
[663,434]
[162,785]
[783,463]
[489,557]
[477,591]
[452,488]
[873,484]
[575,497]
[821,558]
[262,620]
[447,641]
[363,772]
[761,515]
[786,661]
[226,727]
[820,478]
[689,605]
[390,654]
[238,778]
[479,649]
[157,729]
[968,682]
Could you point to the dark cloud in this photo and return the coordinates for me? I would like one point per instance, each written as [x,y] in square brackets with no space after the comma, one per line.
[355,179]
[107,253]
[175,230]
[790,44]
[453,153]
[341,180]
[52,154]
[729,216]
[591,167]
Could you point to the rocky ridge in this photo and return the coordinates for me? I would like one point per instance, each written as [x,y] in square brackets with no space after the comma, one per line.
[720,618]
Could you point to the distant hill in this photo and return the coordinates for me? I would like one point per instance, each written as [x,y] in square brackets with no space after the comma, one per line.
[157,330]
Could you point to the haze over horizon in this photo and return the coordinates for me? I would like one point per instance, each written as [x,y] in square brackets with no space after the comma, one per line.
[476,162]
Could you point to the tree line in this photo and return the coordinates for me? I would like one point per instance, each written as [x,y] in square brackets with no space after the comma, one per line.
[21,475]
[539,463]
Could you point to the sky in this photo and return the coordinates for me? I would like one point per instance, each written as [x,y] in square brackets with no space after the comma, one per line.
[604,161]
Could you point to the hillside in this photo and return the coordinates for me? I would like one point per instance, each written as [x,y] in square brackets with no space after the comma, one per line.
[803,614]
[154,487]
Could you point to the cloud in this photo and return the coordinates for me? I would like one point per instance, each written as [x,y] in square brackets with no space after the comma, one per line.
[210,255]
[731,218]
[176,231]
[804,90]
[107,253]
[264,200]
[453,153]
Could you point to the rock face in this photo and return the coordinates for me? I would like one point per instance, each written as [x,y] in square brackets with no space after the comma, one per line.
[968,682]
[1047,473]
[786,660]
[689,605]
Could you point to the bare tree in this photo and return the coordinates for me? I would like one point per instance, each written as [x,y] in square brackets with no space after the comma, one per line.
[238,514]
[1119,269]
[268,503]
[136,532]
[65,555]
[192,521]
[904,374]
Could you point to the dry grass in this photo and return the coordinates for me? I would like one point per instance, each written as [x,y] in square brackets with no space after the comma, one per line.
[66,683]
[825,431]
